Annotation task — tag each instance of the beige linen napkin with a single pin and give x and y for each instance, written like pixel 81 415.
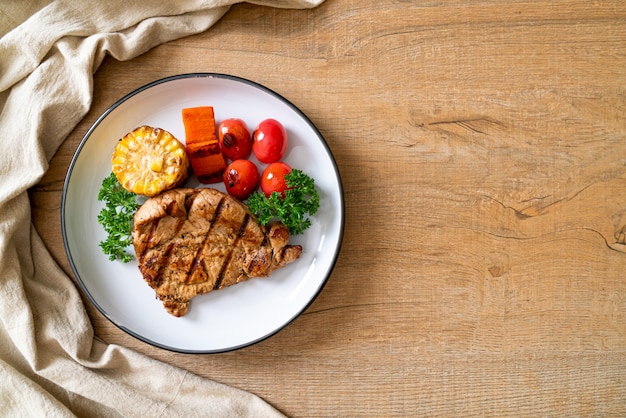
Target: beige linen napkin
pixel 50 363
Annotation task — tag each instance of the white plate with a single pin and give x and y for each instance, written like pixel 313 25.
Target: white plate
pixel 219 321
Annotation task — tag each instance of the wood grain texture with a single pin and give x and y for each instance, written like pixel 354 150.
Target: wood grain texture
pixel 482 148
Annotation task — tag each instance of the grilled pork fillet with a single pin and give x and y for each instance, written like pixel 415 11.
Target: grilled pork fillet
pixel 193 241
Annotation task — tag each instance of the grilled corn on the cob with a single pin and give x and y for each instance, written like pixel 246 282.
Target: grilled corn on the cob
pixel 149 160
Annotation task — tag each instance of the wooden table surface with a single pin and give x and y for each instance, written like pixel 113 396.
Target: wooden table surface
pixel 482 148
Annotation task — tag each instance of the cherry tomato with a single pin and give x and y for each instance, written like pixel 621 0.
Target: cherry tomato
pixel 234 138
pixel 273 178
pixel 269 141
pixel 241 178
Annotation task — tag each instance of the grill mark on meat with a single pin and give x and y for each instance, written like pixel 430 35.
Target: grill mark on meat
pixel 287 253
pixel 179 226
pixel 189 201
pixel 148 239
pixel 169 209
pixel 157 262
pixel 282 252
pixel 218 213
pixel 196 262
pixel 227 260
pixel 197 259
pixel 160 262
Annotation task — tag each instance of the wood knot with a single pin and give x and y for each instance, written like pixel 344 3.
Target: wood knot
pixel 496 271
pixel 498 263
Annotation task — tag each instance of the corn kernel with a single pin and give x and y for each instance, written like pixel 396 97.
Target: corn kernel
pixel 157 164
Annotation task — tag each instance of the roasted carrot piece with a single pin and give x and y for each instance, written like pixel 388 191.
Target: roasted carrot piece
pixel 202 146
pixel 199 124
pixel 207 161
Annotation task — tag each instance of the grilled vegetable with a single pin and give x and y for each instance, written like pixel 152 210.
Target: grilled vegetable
pixel 235 139
pixel 207 161
pixel 199 124
pixel 241 178
pixel 202 146
pixel 148 161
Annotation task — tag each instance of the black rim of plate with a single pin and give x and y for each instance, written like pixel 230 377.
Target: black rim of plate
pixel 166 80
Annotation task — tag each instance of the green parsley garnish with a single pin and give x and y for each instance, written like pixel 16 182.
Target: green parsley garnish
pixel 116 218
pixel 301 201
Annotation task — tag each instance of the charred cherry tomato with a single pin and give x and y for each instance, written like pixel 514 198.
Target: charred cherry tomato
pixel 269 141
pixel 234 138
pixel 241 178
pixel 273 178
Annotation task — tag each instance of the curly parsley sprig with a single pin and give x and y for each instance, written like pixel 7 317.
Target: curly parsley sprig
pixel 300 202
pixel 116 218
